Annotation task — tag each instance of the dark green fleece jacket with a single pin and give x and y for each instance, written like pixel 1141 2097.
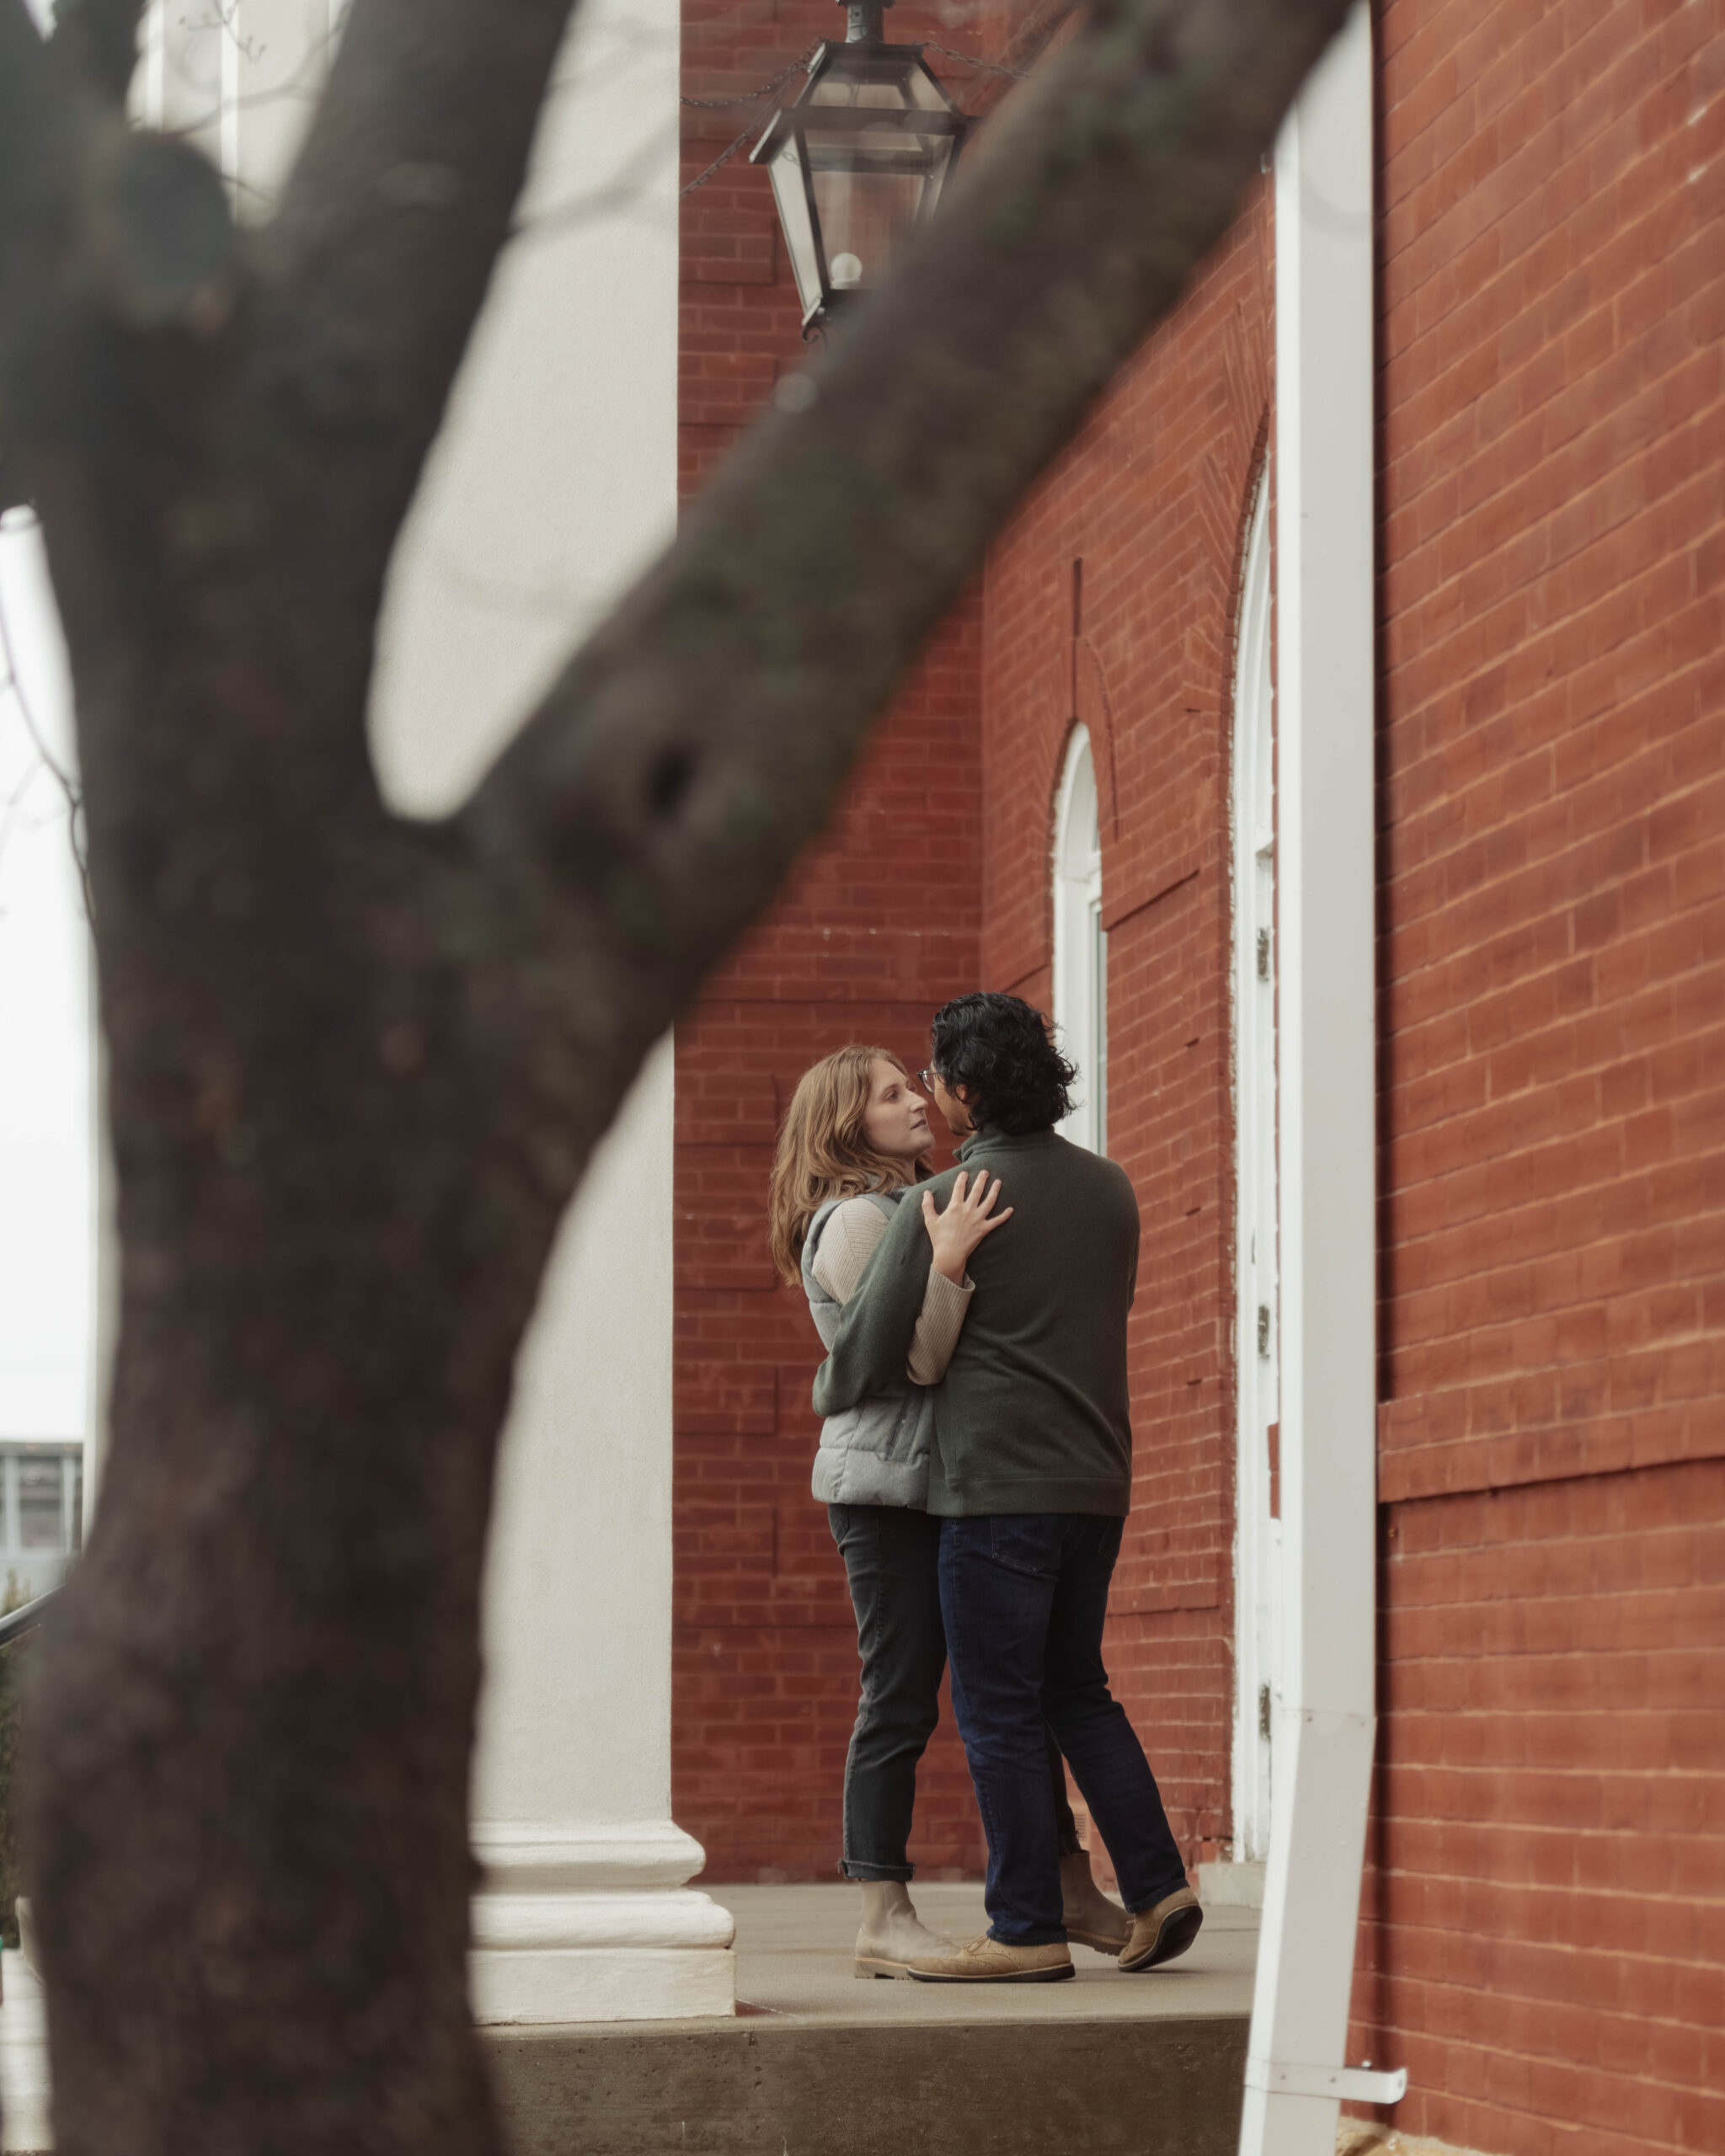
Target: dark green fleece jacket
pixel 1032 1414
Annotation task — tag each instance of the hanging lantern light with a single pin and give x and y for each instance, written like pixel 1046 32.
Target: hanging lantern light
pixel 862 157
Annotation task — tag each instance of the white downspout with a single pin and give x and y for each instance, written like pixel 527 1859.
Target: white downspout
pixel 1324 1722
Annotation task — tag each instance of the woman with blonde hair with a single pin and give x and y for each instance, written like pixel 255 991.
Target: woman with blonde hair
pixel 854 1142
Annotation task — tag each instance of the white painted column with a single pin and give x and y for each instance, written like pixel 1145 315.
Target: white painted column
pixel 586 1915
pixel 1324 1711
pixel 554 483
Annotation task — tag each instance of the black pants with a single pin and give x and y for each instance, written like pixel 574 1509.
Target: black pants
pixel 892 1559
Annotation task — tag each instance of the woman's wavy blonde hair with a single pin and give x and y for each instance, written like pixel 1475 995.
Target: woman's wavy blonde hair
pixel 823 1150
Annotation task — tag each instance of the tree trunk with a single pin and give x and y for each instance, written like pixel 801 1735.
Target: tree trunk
pixel 250 1855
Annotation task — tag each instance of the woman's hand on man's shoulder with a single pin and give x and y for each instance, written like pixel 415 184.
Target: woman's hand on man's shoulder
pixel 966 1219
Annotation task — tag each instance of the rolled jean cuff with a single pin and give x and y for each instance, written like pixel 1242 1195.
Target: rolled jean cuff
pixel 847 1870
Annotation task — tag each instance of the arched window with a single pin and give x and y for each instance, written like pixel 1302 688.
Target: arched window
pixel 1081 944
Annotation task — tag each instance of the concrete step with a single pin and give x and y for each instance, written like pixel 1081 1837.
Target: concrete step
pixel 818 2064
pixel 764 2086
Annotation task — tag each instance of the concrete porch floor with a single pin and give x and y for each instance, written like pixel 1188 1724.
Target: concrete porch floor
pixel 819 2063
pixel 793 1961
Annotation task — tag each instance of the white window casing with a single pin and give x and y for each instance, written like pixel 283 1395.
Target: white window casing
pixel 1081 966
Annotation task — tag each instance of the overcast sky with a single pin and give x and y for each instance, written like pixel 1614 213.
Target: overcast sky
pixel 47 1242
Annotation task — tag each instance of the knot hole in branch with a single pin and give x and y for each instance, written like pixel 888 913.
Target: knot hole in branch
pixel 667 778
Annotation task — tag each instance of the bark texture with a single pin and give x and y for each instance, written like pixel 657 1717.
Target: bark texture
pixel 357 1064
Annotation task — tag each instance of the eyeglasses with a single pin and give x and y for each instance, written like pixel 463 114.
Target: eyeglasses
pixel 925 1079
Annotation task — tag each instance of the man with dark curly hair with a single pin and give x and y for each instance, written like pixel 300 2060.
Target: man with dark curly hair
pixel 1032 1478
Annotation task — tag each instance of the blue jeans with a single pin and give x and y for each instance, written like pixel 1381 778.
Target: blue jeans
pixel 1024 1597
pixel 892 1560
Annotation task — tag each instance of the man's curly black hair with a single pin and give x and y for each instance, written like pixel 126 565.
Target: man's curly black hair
pixel 1000 1049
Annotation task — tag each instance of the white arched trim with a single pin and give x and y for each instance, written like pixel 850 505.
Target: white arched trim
pixel 1081 943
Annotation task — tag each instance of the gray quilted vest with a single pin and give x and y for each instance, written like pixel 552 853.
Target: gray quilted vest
pixel 877 1452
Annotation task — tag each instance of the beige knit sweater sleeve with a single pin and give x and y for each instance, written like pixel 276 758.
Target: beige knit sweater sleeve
pixel 848 1241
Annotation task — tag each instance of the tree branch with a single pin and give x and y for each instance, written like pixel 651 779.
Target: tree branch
pixel 33 132
pixel 390 227
pixel 686 753
pixel 100 39
pixel 90 57
pixel 30 108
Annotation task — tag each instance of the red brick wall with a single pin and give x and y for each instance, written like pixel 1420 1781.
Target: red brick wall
pixel 1543 1926
pixel 879 929
pixel 1153 501
pixel 1547 1924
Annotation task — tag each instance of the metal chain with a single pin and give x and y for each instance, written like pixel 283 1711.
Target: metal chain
pixel 723 159
pixel 727 104
pixel 984 66
pixel 749 97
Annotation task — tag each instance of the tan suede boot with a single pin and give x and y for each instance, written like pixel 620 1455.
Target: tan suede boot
pixel 891 1934
pixel 1091 1919
pixel 1161 1934
pixel 994 1961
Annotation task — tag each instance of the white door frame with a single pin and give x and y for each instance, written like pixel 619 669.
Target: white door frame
pixel 1256 1223
pixel 1324 1726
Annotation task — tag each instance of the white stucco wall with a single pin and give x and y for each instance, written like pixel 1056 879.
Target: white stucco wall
pixel 47 1193
pixel 556 478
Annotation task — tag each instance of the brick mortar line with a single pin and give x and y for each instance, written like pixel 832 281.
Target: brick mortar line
pixel 1549 630
pixel 1478 453
pixel 1552 628
pixel 1677 909
pixel 1545 1482
pixel 1619 234
pixel 1507 1657
pixel 1611 475
pixel 1550 1032
pixel 1461 951
pixel 1534 1998
pixel 1629 1178
pixel 1430 765
pixel 1396 1092
pixel 1615 113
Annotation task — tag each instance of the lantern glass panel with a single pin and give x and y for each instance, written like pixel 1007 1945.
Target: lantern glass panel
pixel 870 187
pixel 790 192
